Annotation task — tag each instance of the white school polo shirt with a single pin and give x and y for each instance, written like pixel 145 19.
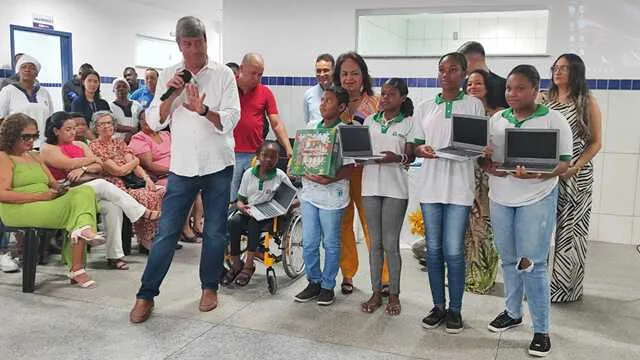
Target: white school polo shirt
pixel 442 180
pixel 389 180
pixel 509 190
pixel 332 196
pixel 254 190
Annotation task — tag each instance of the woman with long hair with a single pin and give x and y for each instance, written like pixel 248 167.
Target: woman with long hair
pixel 570 95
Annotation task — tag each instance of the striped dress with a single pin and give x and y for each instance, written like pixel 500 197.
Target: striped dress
pixel 574 213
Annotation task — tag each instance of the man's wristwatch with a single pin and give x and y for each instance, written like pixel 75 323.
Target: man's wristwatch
pixel 205 112
pixel 84 169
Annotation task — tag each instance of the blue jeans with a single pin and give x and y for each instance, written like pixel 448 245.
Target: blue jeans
pixel 320 224
pixel 525 232
pixel 445 225
pixel 4 242
pixel 243 162
pixel 181 192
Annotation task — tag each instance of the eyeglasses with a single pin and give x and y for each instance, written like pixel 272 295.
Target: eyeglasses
pixel 30 137
pixel 560 68
pixel 104 124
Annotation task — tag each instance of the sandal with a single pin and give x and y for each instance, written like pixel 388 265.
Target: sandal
pixel 231 275
pixel 118 264
pixel 371 305
pixel 245 275
pixel 87 284
pixel 346 288
pixel 190 239
pixel 151 215
pixel 392 309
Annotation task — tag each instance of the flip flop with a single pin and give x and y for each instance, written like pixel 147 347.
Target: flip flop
pixel 346 288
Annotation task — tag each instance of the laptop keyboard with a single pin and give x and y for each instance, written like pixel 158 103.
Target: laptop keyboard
pixel 460 152
pixel 530 167
pixel 268 209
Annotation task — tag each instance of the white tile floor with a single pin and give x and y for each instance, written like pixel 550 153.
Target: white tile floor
pixel 63 322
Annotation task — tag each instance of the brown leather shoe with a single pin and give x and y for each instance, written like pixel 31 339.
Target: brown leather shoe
pixel 208 300
pixel 141 311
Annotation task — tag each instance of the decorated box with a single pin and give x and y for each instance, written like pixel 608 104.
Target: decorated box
pixel 316 151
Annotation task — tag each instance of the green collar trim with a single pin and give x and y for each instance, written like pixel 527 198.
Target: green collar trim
pixel 541 110
pixel 270 175
pixel 440 99
pixel 384 126
pixel 448 108
pixel 321 124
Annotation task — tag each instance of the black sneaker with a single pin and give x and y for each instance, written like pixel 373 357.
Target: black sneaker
pixel 540 345
pixel 326 297
pixel 434 318
pixel 309 293
pixel 504 322
pixel 454 322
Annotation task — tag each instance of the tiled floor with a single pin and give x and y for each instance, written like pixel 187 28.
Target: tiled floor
pixel 63 322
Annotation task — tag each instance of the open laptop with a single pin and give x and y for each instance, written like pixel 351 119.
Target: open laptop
pixel 535 149
pixel 279 205
pixel 468 138
pixel 355 143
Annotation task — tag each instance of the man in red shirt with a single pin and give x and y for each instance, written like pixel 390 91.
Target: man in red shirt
pixel 256 101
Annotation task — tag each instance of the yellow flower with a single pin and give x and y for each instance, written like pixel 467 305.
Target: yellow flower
pixel 417 224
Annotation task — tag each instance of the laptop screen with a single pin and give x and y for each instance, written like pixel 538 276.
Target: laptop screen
pixel 531 144
pixel 469 130
pixel 355 139
pixel 284 195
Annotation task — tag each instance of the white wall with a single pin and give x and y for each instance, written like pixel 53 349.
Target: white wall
pixel 103 32
pixel 290 34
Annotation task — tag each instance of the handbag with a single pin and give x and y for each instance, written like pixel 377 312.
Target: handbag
pixel 131 181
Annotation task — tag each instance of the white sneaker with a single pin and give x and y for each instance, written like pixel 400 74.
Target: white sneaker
pixel 7 264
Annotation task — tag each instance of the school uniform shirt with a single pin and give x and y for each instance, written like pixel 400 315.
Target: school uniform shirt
pixel 442 180
pixel 254 190
pixel 127 116
pixel 332 196
pixel 14 99
pixel 389 180
pixel 509 190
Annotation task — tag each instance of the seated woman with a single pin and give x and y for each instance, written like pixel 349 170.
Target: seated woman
pixel 30 196
pixel 154 151
pixel 258 185
pixel 123 169
pixel 72 160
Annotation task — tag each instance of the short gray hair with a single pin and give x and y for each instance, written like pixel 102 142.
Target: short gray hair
pixel 99 115
pixel 190 26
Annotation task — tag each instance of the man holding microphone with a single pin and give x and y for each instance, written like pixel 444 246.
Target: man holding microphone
pixel 202 110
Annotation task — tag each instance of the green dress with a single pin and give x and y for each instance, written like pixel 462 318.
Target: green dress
pixel 75 209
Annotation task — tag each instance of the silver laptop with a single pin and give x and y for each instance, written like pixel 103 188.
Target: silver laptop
pixel 355 143
pixel 279 205
pixel 468 138
pixel 535 149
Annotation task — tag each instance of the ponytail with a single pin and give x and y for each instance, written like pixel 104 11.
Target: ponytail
pixel 407 107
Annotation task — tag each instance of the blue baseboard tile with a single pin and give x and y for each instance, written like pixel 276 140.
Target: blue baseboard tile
pixel 412 82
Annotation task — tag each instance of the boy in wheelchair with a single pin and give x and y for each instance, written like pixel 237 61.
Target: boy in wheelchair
pixel 258 185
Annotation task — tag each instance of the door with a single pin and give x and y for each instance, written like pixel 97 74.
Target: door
pixel 53 50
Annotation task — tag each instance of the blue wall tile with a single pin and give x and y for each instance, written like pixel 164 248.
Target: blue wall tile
pixel 432 82
pixel 614 84
pixel 545 83
pixel 422 82
pixel 313 82
pixel 625 84
pixel 602 84
pixel 636 85
pixel 592 83
pixel 413 82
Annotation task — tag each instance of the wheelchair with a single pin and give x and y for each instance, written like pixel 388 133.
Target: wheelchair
pixel 286 233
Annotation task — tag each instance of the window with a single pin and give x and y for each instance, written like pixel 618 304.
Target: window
pixel 423 33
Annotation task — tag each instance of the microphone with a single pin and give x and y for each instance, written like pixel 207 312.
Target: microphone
pixel 186 77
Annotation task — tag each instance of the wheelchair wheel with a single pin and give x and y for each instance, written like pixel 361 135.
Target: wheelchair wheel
pixel 272 281
pixel 292 260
